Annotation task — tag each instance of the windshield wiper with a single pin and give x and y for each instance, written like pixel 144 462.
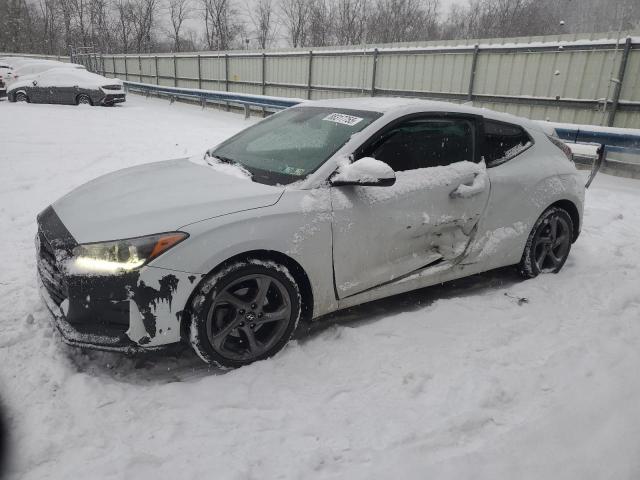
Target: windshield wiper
pixel 229 161
pixel 222 159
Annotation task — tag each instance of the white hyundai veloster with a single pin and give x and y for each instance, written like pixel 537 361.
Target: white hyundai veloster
pixel 322 206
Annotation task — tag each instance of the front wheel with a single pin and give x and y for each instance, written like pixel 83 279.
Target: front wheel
pixel 548 244
pixel 21 97
pixel 244 313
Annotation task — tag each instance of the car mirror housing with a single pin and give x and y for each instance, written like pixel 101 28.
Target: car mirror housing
pixel 366 171
pixel 35 82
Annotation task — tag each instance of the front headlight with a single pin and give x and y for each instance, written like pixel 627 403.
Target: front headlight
pixel 122 255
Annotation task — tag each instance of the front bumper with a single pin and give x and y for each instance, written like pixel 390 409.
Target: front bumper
pixel 72 336
pixel 137 310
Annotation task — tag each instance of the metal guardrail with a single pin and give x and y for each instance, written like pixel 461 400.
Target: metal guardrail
pixel 245 100
pixel 623 146
pixel 614 141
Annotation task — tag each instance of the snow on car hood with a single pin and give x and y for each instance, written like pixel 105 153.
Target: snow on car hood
pixel 157 197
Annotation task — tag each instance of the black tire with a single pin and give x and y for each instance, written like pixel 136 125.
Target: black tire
pixel 245 312
pixel 548 245
pixel 83 99
pixel 21 97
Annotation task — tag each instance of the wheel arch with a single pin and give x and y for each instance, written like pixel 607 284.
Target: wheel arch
pixel 296 270
pixel 573 212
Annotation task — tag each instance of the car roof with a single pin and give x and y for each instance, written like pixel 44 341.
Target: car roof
pixel 403 105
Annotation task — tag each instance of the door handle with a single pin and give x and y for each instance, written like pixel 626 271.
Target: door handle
pixel 477 186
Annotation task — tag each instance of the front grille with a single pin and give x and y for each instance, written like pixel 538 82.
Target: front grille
pixel 50 274
pixel 112 87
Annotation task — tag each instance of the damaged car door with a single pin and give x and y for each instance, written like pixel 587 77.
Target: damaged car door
pixel 427 218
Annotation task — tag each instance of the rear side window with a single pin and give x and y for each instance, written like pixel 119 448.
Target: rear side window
pixel 503 141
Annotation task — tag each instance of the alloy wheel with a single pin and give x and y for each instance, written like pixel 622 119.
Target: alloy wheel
pixel 248 317
pixel 552 244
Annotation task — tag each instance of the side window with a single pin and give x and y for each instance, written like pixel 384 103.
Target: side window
pixel 425 142
pixel 503 141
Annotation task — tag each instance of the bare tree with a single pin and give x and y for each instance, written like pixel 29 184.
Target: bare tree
pixel 179 11
pixel 221 27
pixel 261 15
pixel 295 17
pixel 50 26
pixel 350 21
pixel 48 23
pixel 403 21
pixel 124 21
pixel 143 15
pixel 101 25
pixel 320 31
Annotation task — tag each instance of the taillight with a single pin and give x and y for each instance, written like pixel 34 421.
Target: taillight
pixel 562 146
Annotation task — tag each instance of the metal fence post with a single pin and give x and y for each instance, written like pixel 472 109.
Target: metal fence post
pixel 226 72
pixel 140 68
pixel 156 70
pixel 472 76
pixel 374 68
pixel 126 70
pixel 618 87
pixel 102 64
pixel 175 72
pixel 226 76
pixel 264 73
pixel 199 73
pixel 309 75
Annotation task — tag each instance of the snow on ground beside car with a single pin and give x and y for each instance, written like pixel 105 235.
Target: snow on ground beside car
pixel 489 377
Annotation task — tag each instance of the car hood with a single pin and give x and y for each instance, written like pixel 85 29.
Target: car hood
pixel 158 197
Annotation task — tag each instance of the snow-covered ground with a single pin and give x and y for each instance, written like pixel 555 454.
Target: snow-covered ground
pixel 491 377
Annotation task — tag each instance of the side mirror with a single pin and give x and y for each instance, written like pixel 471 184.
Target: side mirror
pixel 35 82
pixel 364 172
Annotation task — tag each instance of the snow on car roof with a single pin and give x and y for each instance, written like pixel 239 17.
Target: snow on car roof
pixel 75 73
pixel 405 105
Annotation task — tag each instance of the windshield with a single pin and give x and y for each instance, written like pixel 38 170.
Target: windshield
pixel 293 143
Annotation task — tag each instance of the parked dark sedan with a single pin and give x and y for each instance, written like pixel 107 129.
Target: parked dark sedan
pixel 66 86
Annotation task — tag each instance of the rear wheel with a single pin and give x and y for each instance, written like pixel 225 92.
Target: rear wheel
pixel 548 244
pixel 22 97
pixel 244 313
pixel 83 100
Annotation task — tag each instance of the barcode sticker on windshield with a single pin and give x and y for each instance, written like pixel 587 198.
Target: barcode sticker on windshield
pixel 343 119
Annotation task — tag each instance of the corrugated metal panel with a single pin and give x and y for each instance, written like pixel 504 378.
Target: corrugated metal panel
pixel 291 70
pixel 187 68
pixel 148 66
pixel 133 67
pixel 245 69
pixel 631 86
pixel 165 68
pixel 551 77
pixel 212 68
pixel 188 83
pixel 286 92
pixel 352 71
